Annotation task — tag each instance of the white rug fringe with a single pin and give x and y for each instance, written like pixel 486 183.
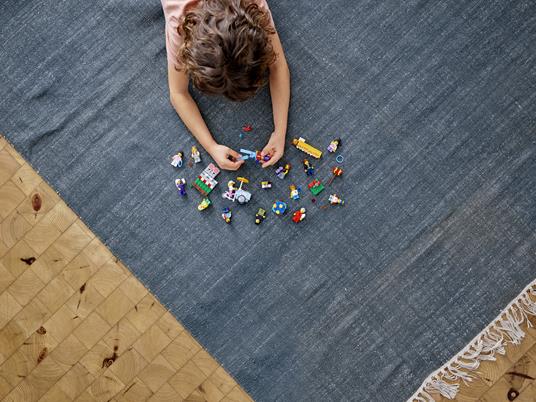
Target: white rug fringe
pixel 505 329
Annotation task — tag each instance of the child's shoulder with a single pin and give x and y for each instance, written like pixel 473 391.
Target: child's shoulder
pixel 175 7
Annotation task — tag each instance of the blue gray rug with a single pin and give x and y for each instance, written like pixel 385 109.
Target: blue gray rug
pixel 436 105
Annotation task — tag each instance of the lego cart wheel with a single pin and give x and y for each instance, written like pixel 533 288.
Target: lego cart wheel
pixel 241 199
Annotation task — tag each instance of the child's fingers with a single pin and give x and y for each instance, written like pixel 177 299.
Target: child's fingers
pixel 267 150
pixel 235 155
pixel 235 160
pixel 275 157
pixel 230 165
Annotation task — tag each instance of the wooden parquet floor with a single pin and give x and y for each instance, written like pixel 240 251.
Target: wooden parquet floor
pixel 76 325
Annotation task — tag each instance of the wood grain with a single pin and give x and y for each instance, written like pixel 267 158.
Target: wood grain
pixel 75 324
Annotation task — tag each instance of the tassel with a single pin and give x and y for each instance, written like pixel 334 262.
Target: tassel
pixel 447 390
pixel 505 329
pixel 424 397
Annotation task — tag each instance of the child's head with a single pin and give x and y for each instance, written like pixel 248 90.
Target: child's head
pixel 226 49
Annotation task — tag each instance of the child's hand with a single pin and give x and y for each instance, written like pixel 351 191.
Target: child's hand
pixel 225 157
pixel 274 148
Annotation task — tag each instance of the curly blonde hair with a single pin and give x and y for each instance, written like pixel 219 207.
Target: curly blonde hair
pixel 226 48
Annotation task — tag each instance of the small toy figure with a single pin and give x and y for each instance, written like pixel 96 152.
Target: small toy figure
pixel 316 187
pixel 231 190
pixel 294 192
pixel 226 214
pixel 335 200
pixel 279 207
pixel 300 144
pixel 196 156
pixel 205 203
pixel 260 216
pixel 176 160
pixel 308 168
pixel 337 171
pixel 237 194
pixel 333 145
pixel 282 171
pixel 259 158
pixel 255 155
pixel 298 215
pixel 181 186
pixel 266 184
pixel 205 182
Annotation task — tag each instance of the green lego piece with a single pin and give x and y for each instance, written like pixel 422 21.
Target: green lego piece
pixel 317 189
pixel 201 187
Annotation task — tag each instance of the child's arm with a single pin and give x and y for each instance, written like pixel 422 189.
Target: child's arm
pixel 280 92
pixel 188 111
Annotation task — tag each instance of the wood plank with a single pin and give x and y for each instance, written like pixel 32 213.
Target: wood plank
pixel 151 342
pixel 75 381
pixel 26 179
pixel 13 228
pixel 19 258
pixel 146 313
pixel 187 379
pixel 166 393
pixel 8 308
pixel 8 166
pixel 155 374
pixel 128 365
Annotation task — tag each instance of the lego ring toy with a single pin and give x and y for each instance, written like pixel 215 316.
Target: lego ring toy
pixel 339 159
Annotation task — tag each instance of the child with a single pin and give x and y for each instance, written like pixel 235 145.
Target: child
pixel 226 47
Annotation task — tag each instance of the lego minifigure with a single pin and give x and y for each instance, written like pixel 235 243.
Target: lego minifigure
pixel 237 194
pixel 176 160
pixel 205 182
pixel 308 168
pixel 205 203
pixel 333 145
pixel 231 190
pixel 181 186
pixel 316 187
pixel 259 158
pixel 336 171
pixel 255 155
pixel 282 171
pixel 226 214
pixel 279 207
pixel 266 184
pixel 196 156
pixel 298 215
pixel 294 192
pixel 300 144
pixel 335 200
pixel 260 216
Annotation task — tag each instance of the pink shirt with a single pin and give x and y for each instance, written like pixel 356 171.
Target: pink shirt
pixel 173 11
